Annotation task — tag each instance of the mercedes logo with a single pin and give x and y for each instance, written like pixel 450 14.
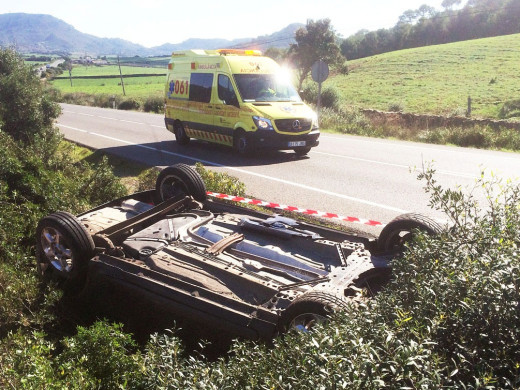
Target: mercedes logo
pixel 296 125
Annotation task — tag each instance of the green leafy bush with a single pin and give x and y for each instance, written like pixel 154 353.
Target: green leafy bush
pixel 25 109
pixel 37 177
pixel 329 95
pixel 154 104
pixel 129 104
pixel 220 182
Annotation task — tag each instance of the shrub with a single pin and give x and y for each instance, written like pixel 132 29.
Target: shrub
pixel 146 179
pixel 220 182
pixel 396 107
pixel 329 95
pixel 25 109
pixel 154 104
pixel 129 104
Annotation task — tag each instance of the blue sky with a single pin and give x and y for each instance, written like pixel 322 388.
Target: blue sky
pixel 154 22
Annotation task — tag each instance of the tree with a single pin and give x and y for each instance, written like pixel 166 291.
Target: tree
pixel 449 4
pixel 25 109
pixel 315 41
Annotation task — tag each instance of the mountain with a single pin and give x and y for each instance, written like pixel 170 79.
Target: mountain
pixel 36 33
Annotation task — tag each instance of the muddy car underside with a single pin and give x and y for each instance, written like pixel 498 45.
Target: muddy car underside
pixel 242 271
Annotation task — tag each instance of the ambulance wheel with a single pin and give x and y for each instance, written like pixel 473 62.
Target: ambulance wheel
pixel 180 134
pixel 241 143
pixel 302 151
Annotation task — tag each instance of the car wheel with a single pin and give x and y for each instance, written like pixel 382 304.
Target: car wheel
pixel 178 181
pixel 400 230
pixel 302 151
pixel 241 143
pixel 180 134
pixel 310 309
pixel 63 249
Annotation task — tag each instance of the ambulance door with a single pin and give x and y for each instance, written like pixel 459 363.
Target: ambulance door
pixel 227 109
pixel 201 109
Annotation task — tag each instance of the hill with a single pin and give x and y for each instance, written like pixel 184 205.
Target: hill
pixel 437 79
pixel 36 33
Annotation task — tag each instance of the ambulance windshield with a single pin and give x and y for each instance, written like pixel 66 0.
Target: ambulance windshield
pixel 265 88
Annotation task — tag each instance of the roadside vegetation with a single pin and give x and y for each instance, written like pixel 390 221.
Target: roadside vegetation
pixel 449 319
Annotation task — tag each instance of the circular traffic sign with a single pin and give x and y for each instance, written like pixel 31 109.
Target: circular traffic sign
pixel 320 71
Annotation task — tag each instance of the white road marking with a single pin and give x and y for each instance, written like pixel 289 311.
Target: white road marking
pixel 207 162
pixel 113 119
pixel 432 148
pixel 449 173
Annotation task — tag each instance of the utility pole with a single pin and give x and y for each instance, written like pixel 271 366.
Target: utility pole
pixel 121 75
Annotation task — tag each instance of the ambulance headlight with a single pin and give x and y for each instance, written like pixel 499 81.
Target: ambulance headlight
pixel 263 123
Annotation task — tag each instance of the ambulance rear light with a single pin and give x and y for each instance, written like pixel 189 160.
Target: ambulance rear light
pixel 225 52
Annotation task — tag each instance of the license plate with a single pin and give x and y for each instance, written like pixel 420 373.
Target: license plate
pixel 293 144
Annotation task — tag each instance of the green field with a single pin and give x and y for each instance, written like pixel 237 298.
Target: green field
pixel 82 70
pixel 138 87
pixel 437 79
pixel 432 79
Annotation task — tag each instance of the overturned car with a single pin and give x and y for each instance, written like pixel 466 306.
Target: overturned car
pixel 239 270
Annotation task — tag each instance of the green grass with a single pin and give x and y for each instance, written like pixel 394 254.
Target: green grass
pixel 139 87
pixel 437 79
pixel 109 70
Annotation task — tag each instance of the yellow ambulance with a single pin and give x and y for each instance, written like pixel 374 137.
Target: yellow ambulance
pixel 236 98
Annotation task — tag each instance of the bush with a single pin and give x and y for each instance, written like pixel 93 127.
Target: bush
pixel 37 177
pixel 396 107
pixel 329 95
pixel 146 179
pixel 129 104
pixel 154 104
pixel 220 182
pixel 25 109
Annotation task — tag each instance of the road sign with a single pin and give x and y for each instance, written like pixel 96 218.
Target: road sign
pixel 320 71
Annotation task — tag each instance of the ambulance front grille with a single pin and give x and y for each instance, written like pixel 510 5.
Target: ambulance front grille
pixel 294 125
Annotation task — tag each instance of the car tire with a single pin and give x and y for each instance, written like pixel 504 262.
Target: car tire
pixel 180 134
pixel 241 143
pixel 302 151
pixel 178 181
pixel 400 230
pixel 310 308
pixel 63 250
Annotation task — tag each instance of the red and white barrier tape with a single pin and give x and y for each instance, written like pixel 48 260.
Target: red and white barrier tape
pixel 316 213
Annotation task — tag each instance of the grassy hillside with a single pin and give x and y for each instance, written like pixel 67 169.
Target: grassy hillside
pixel 437 79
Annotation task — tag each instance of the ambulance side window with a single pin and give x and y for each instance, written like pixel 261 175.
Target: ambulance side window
pixel 200 87
pixel 226 92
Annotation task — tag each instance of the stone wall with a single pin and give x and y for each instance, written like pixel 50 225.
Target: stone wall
pixel 426 121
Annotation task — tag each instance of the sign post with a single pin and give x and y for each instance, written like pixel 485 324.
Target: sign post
pixel 319 73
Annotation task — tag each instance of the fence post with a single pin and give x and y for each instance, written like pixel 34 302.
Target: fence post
pixel 468 112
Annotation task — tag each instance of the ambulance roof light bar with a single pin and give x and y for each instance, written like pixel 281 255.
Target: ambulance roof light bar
pixel 226 52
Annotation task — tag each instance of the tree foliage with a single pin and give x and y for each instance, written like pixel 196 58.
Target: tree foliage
pixel 426 26
pixel 317 40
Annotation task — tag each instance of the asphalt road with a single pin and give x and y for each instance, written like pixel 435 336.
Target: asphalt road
pixel 352 176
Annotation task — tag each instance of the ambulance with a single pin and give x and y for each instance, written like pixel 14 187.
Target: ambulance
pixel 236 98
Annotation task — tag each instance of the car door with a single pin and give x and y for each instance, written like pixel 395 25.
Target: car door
pixel 227 109
pixel 201 109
